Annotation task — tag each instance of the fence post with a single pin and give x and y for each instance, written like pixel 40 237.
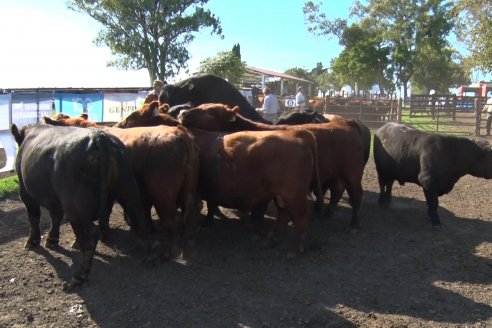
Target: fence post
pixel 478 116
pixel 399 110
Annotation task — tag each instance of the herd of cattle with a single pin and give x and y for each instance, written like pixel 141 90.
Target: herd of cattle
pixel 218 149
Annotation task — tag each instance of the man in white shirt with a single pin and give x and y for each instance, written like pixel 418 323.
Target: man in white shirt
pixel 270 107
pixel 488 109
pixel 300 98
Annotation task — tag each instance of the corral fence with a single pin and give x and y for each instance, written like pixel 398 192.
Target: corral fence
pixel 439 113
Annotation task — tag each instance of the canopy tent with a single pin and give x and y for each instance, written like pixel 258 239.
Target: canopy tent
pixel 257 75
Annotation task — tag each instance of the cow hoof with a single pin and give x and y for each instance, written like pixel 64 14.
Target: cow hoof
pixel 292 255
pixel 51 243
pixel 72 286
pixel 437 227
pixel 75 245
pixel 30 244
pixel 352 230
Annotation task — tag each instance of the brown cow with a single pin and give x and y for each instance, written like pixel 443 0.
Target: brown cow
pixel 246 170
pixel 165 162
pixel 340 149
pixel 149 115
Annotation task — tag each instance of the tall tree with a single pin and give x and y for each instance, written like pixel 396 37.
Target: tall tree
pixel 226 65
pixel 474 30
pixel 150 34
pixel 404 26
pixel 236 49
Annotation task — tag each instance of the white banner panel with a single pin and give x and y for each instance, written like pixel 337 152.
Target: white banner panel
pixel 119 105
pixel 8 143
pixel 5 111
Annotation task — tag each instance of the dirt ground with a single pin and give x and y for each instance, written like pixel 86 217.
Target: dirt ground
pixel 396 272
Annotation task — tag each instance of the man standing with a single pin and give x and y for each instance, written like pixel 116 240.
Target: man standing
pixel 154 94
pixel 270 107
pixel 488 109
pixel 300 98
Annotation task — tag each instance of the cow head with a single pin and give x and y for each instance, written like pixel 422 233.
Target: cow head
pixel 175 95
pixel 211 117
pixel 149 115
pixel 65 120
pixel 482 166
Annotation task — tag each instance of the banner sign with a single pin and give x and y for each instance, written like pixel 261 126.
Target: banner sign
pixel 4 111
pixel 118 105
pixel 7 142
pixel 29 108
pixel 74 104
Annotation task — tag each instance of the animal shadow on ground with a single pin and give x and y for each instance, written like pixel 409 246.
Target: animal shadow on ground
pixel 394 265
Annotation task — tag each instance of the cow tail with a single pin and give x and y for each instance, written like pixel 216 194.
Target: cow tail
pixel 104 147
pixel 316 183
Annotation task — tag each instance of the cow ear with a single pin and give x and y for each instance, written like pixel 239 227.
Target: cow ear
pixel 16 134
pixel 50 121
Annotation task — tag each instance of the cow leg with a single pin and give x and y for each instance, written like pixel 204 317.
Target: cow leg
pixel 33 215
pixel 172 227
pixel 191 214
pixel 257 217
pixel 54 234
pixel 432 201
pixel 87 237
pixel 336 191
pixel 385 188
pixel 354 190
pixel 211 210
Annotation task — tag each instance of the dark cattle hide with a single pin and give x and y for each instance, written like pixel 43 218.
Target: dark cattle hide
pixel 76 172
pixel 301 117
pixel 208 89
pixel 435 162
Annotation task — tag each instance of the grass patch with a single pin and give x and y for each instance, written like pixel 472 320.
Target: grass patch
pixel 423 121
pixel 9 186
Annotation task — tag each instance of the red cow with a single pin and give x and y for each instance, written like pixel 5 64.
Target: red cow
pixel 165 161
pixel 149 115
pixel 340 149
pixel 246 170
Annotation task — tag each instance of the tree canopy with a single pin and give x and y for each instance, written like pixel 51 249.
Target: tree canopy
pixel 474 30
pixel 393 42
pixel 226 64
pixel 149 34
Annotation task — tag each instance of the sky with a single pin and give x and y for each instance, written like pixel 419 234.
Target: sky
pixel 44 44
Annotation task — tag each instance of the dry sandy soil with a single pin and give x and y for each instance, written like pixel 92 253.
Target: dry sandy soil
pixel 396 272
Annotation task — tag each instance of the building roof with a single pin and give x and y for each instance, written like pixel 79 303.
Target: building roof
pixel 253 72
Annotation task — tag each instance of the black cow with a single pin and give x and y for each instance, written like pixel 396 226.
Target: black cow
pixel 435 162
pixel 203 89
pixel 298 116
pixel 76 172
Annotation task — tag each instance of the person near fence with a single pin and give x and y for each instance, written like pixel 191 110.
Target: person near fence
pixel 300 98
pixel 154 94
pixel 488 109
pixel 270 107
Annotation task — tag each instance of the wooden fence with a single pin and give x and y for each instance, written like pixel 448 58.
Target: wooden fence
pixel 440 113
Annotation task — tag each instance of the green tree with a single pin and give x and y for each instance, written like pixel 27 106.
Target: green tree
pixel 150 34
pixel 474 30
pixel 226 65
pixel 236 49
pixel 404 26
